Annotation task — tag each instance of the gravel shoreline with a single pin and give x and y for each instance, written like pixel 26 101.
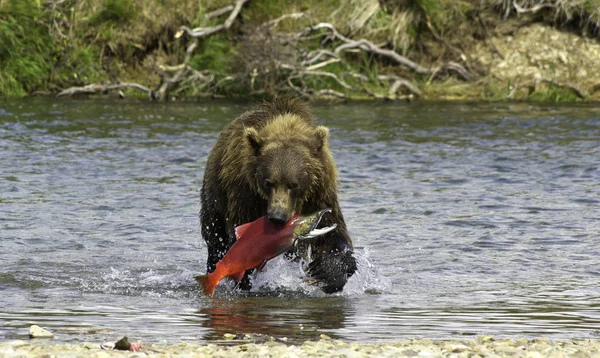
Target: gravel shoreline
pixel 483 346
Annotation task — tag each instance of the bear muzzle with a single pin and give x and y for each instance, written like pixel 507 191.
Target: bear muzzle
pixel 278 217
pixel 281 205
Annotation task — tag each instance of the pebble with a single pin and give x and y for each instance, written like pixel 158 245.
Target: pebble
pixel 479 347
pixel 36 331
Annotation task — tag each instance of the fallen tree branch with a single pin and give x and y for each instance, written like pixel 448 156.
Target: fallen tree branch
pixel 366 45
pixel 357 75
pixel 160 93
pixel 275 22
pixel 532 10
pixel 330 93
pixel 330 75
pixel 330 27
pixel 371 47
pixel 460 69
pixel 400 82
pixel 314 56
pixel 100 88
pixel 323 64
pixel 201 32
pixel 219 12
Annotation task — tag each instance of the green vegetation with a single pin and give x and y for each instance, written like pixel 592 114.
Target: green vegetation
pixel 115 12
pixel 46 46
pixel 26 49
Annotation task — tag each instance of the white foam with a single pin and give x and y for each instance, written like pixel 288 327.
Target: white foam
pixel 281 275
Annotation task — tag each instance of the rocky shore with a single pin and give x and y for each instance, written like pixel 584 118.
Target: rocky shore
pixel 483 346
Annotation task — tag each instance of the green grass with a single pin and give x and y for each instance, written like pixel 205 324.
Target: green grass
pixel 119 12
pixel 552 94
pixel 26 50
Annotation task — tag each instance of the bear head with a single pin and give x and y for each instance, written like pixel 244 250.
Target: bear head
pixel 288 160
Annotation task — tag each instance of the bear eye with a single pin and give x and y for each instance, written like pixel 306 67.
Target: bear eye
pixel 293 186
pixel 268 184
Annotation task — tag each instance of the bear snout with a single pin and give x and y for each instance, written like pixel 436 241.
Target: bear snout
pixel 278 216
pixel 281 205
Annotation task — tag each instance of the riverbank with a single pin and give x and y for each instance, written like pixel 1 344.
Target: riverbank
pixel 483 346
pixel 345 49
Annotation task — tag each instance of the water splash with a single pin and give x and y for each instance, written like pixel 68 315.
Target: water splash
pixel 280 277
pixel 283 276
pixel 143 283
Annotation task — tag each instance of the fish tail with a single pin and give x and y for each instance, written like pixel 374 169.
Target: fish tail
pixel 208 284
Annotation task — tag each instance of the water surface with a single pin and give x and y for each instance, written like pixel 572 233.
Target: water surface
pixel 468 219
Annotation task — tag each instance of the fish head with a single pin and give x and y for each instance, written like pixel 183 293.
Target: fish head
pixel 306 226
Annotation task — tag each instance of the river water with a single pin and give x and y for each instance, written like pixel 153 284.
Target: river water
pixel 468 219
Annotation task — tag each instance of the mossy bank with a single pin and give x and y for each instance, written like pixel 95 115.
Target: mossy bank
pixel 480 347
pixel 468 49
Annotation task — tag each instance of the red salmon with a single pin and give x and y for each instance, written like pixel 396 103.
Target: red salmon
pixel 258 242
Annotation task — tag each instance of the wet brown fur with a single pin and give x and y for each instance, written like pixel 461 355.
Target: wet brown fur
pixel 233 194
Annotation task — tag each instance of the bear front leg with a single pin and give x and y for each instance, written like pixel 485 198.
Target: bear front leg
pixel 333 263
pixel 215 235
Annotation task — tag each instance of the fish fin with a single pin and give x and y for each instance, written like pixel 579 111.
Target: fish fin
pixel 261 266
pixel 237 277
pixel 240 230
pixel 208 286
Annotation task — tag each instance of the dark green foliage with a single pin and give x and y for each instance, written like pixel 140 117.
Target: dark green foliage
pixel 26 49
pixel 214 54
pixel 116 11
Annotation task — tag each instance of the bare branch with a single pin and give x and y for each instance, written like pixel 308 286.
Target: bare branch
pixel 330 27
pixel 330 93
pixel 234 13
pixel 533 10
pixel 323 64
pixel 314 57
pixel 366 45
pixel 460 69
pixel 371 47
pixel 161 92
pixel 357 75
pixel 330 75
pixel 219 12
pixel 100 88
pixel 400 82
pixel 200 32
pixel 275 22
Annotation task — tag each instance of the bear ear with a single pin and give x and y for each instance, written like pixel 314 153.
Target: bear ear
pixel 321 135
pixel 253 138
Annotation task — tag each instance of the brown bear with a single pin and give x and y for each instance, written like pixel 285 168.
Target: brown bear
pixel 274 160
